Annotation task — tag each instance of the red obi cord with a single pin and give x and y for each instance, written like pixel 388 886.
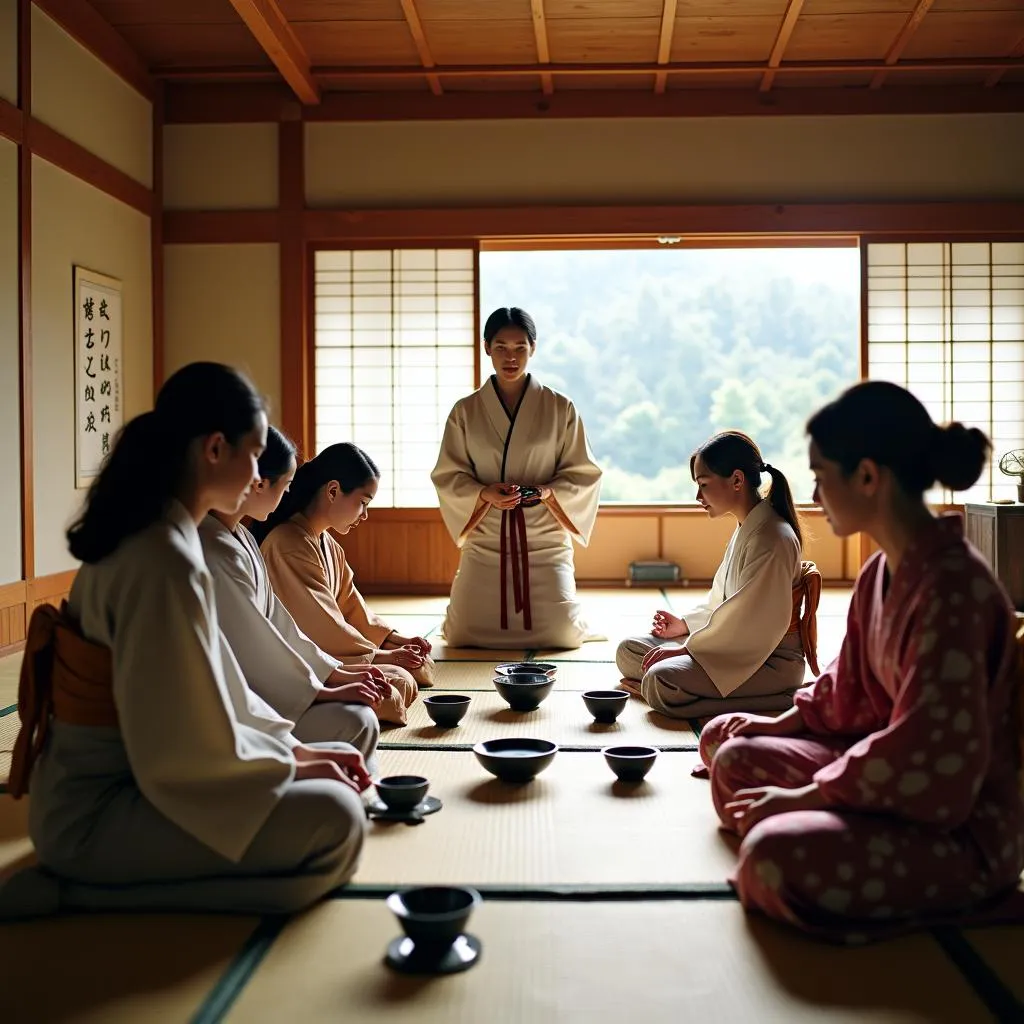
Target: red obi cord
pixel 513 542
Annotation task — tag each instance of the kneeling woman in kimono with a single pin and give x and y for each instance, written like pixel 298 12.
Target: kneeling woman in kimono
pixel 744 647
pixel 517 485
pixel 313 580
pixel 889 796
pixel 300 682
pixel 160 779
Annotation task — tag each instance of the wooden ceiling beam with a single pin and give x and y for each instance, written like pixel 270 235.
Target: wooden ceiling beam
pixel 789 20
pixel 994 76
pixel 419 37
pixel 899 43
pixel 265 21
pixel 668 25
pixel 540 33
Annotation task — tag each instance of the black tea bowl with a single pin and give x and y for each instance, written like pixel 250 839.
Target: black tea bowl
pixel 522 692
pixel 529 668
pixel 402 792
pixel 433 916
pixel 630 764
pixel 446 709
pixel 515 760
pixel 605 705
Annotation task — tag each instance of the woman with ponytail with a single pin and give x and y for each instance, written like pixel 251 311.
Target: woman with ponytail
pixel 744 647
pixel 158 779
pixel 313 580
pixel 889 797
pixel 298 680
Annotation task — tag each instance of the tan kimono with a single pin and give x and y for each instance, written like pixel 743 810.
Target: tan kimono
pixel 313 580
pixel 516 584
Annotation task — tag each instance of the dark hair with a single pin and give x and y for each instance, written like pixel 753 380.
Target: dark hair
pixel 732 450
pixel 277 457
pixel 510 316
pixel 883 422
pixel 148 463
pixel 344 462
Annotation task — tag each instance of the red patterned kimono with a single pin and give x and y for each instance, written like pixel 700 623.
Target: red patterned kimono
pixel 911 736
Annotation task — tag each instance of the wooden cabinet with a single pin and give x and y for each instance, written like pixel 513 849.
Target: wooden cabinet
pixel 997 531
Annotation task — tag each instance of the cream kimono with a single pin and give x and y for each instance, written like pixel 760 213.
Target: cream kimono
pixel 740 640
pixel 279 662
pixel 190 802
pixel 516 585
pixel 313 580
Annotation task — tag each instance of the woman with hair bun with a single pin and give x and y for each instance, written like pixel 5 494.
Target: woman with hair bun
pixel 889 797
pixel 744 647
pixel 517 484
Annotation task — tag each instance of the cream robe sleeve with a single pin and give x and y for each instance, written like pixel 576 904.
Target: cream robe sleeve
pixel 454 479
pixel 697 618
pixel 197 755
pixel 351 602
pixel 576 485
pixel 299 579
pixel 268 664
pixel 748 625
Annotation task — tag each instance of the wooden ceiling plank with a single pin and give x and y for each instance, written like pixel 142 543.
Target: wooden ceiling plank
pixel 1016 53
pixel 789 20
pixel 419 37
pixel 899 43
pixel 668 24
pixel 265 21
pixel 540 33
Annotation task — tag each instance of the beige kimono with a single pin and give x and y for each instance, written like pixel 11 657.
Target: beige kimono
pixel 280 663
pixel 516 585
pixel 191 801
pixel 313 580
pixel 740 652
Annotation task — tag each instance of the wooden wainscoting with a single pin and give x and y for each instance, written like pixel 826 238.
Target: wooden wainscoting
pixel 409 550
pixel 19 599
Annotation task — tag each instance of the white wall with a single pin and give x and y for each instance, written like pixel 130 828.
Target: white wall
pixel 79 96
pixel 222 302
pixel 654 160
pixel 10 415
pixel 220 166
pixel 73 223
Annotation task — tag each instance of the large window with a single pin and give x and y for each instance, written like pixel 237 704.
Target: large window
pixel 395 335
pixel 946 320
pixel 661 348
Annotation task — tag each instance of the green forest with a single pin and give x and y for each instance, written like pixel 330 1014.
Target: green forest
pixel 659 349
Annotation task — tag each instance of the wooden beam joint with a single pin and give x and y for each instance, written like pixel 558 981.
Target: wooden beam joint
pixel 786 29
pixel 266 22
pixel 668 24
pixel 894 52
pixel 419 37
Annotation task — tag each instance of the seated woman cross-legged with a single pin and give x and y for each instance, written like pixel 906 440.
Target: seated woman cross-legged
pixel 889 797
pixel 313 580
pixel 297 679
pixel 744 647
pixel 158 779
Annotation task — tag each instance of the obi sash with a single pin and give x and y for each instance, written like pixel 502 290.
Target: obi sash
pixel 513 546
pixel 63 676
pixel 804 620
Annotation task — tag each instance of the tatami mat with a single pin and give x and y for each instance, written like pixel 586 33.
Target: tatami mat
pixel 386 605
pixel 15 845
pixel 574 824
pixel 550 963
pixel 9 726
pixel 476 675
pixel 128 968
pixel 562 718
pixel 1002 949
pixel 442 652
pixel 10 668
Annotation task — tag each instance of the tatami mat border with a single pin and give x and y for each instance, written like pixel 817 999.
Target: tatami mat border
pixel 8 711
pixel 987 985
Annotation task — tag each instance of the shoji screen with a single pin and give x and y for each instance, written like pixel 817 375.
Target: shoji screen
pixel 946 320
pixel 395 336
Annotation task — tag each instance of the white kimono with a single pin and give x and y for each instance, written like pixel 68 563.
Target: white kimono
pixel 750 605
pixel 278 660
pixel 540 442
